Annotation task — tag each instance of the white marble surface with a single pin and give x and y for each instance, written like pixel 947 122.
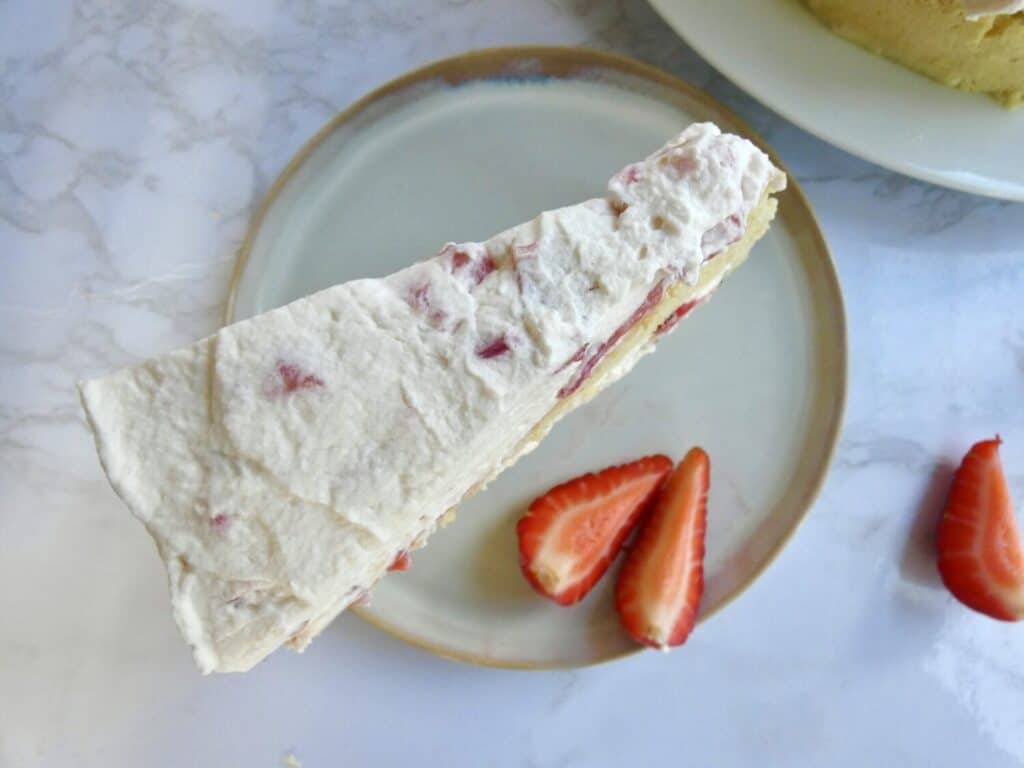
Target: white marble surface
pixel 135 139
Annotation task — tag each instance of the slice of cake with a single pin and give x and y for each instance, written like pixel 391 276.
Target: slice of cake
pixel 282 464
pixel 975 45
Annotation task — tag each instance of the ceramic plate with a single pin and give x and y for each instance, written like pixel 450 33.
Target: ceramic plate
pixel 470 146
pixel 783 56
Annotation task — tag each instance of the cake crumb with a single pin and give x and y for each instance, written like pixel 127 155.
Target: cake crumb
pixel 291 761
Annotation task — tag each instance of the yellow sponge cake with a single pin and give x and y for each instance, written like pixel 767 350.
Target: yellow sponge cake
pixel 975 45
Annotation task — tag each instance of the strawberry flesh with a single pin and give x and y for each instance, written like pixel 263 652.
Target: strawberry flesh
pixel 651 300
pixel 401 562
pixel 659 589
pixel 494 348
pixel 571 534
pixel 981 559
pixel 483 268
pixel 672 320
pixel 294 379
pixel 459 260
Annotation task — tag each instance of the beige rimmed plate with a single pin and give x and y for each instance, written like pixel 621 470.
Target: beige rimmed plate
pixel 471 145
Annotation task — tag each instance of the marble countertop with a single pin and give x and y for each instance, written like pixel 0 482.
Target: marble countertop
pixel 136 139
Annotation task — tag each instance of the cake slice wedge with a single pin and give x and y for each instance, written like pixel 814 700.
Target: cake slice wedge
pixel 282 464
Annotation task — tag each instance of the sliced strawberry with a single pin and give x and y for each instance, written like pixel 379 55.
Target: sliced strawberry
pixel 661 582
pixel 571 534
pixel 981 559
pixel 401 562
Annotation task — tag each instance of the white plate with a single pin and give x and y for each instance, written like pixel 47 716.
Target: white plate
pixel 472 145
pixel 780 54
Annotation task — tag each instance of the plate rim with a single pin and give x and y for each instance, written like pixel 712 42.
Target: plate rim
pixel 793 115
pixel 560 61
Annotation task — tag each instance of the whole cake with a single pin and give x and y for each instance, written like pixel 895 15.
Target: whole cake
pixel 284 463
pixel 975 45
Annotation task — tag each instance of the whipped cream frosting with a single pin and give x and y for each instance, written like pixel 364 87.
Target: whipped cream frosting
pixel 976 9
pixel 281 464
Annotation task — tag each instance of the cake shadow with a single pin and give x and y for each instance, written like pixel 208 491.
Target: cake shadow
pixel 495 575
pixel 918 563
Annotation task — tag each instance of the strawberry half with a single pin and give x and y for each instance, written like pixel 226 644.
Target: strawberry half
pixel 981 559
pixel 571 534
pixel 660 586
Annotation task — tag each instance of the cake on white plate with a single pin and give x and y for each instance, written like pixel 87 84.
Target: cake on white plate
pixel 282 464
pixel 975 45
